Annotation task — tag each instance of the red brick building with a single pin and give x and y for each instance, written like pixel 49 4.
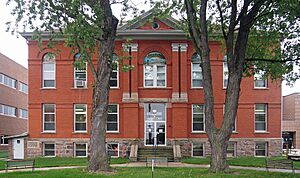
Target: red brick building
pixel 13 99
pixel 159 102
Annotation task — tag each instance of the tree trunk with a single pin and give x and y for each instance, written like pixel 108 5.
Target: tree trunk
pixel 218 162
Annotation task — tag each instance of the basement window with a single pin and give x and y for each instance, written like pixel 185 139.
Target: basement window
pixel 197 149
pixel 113 149
pixel 80 150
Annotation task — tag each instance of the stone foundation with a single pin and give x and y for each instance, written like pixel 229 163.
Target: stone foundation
pixel 65 147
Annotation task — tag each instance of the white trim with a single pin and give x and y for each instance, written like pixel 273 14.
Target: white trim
pixel 266 117
pixel 9 78
pixel 74 115
pixel 266 148
pixel 224 76
pixel 154 73
pixel 43 71
pixel 8 108
pixel 203 146
pixel 192 75
pixel 49 131
pixel 20 115
pixel 117 70
pixel 118 119
pixel 86 149
pixel 20 88
pixel 198 131
pixel 109 143
pixel 257 77
pixel 49 144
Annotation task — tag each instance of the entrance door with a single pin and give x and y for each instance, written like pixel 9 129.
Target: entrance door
pixel 155 124
pixel 18 148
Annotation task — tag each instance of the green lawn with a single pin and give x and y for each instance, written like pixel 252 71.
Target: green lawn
pixel 143 172
pixel 240 161
pixel 60 161
pixel 3 154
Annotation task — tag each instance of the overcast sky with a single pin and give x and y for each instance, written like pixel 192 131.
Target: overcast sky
pixel 16 48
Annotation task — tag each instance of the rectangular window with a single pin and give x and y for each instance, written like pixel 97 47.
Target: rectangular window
pixel 8 110
pixel 48 75
pixel 113 118
pixel 80 116
pixel 8 81
pixel 197 78
pixel 260 117
pixel 23 113
pixel 198 118
pixel 23 87
pixel 197 149
pixel 114 75
pixel 259 81
pixel 3 141
pixel 155 75
pixel 261 149
pixel 49 149
pixel 49 117
pixel 113 149
pixel 80 150
pixel 80 78
pixel 225 74
pixel 231 149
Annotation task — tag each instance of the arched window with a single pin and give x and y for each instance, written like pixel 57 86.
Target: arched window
pixel 114 75
pixel 155 70
pixel 49 70
pixel 197 78
pixel 80 74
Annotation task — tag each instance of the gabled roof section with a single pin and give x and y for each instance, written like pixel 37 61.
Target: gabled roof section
pixel 144 19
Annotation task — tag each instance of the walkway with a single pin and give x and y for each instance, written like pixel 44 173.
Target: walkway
pixel 170 164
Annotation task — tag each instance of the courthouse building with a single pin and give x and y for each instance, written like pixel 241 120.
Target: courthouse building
pixel 160 102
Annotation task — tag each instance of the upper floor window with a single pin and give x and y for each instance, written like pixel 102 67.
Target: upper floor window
pixel 198 124
pixel 80 74
pixel 114 75
pixel 3 140
pixel 113 118
pixel 23 113
pixel 197 78
pixel 259 80
pixel 8 110
pixel 80 116
pixel 260 117
pixel 225 72
pixel 155 70
pixel 49 117
pixel 49 70
pixel 8 81
pixel 23 88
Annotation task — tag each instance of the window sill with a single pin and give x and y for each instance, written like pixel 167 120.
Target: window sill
pixel 235 132
pixel 261 88
pixel 113 132
pixel 114 88
pixel 52 88
pixel 83 88
pixel 198 132
pixel 259 156
pixel 156 88
pixel 196 88
pixel 48 132
pixel 4 144
pixel 80 132
pixel 261 132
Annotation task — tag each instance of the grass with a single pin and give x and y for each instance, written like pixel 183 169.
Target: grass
pixel 239 161
pixel 143 172
pixel 67 161
pixel 3 154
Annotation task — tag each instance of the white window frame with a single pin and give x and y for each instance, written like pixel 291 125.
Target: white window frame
pixel 192 70
pixel 118 149
pixel 23 86
pixel 43 71
pixel 86 150
pixel 154 73
pixel 10 80
pixel 47 143
pixel 118 120
pixel 116 71
pixel 198 131
pixel 266 148
pixel 234 149
pixel 2 140
pixel 49 131
pixel 225 76
pixel 21 115
pixel 9 109
pixel 260 112
pixel 192 153
pixel 74 108
pixel 75 80
pixel 258 77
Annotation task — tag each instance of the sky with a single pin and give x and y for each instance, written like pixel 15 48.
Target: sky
pixel 15 47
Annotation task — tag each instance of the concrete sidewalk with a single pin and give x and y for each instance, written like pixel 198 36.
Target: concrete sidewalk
pixel 170 164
